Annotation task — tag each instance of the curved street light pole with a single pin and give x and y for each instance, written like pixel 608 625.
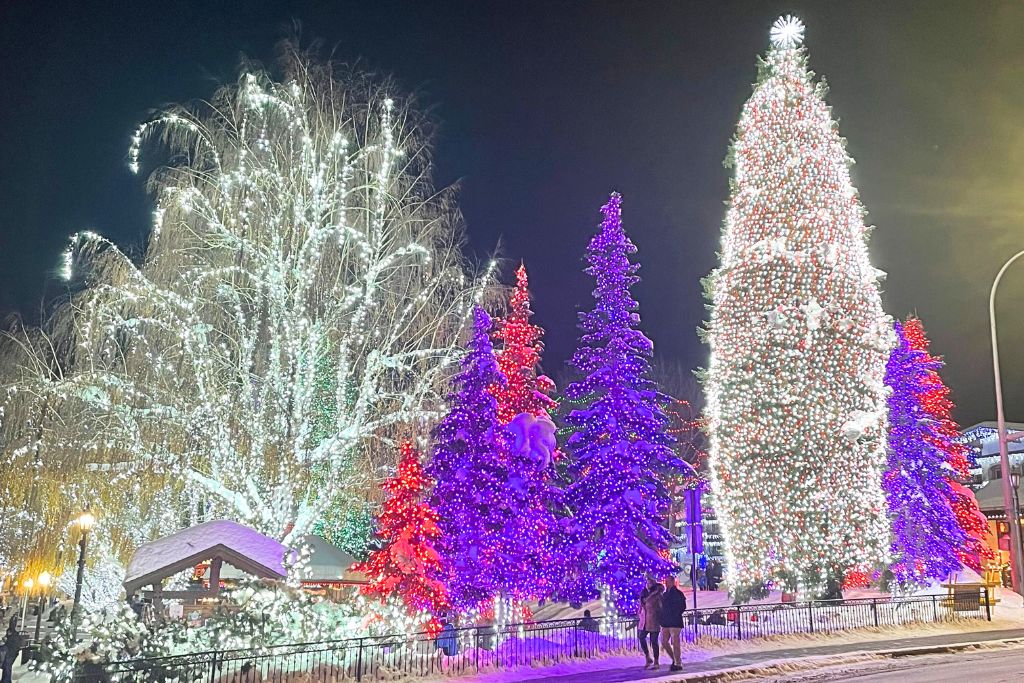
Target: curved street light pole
pixel 1012 514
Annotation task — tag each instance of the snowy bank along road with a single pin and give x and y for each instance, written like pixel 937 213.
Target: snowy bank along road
pixel 989 664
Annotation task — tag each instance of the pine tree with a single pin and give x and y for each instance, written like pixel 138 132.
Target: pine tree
pixel 927 538
pixel 945 435
pixel 519 357
pixel 619 452
pixel 489 494
pixel 795 397
pixel 408 564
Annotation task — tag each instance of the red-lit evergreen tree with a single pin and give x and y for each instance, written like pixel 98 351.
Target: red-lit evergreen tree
pixel 937 403
pixel 518 358
pixel 408 564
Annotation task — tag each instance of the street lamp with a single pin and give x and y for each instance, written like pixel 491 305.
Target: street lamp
pixel 85 522
pixel 1012 513
pixel 27 585
pixel 44 583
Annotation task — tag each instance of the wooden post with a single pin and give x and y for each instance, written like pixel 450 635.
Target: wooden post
pixel 215 565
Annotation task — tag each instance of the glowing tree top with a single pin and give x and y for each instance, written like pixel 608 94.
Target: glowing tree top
pixel 795 397
pixel 619 452
pixel 519 357
pixel 928 541
pixel 488 495
pixel 408 565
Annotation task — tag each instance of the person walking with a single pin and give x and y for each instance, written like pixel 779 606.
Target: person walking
pixel 649 623
pixel 673 605
pixel 714 575
pixel 12 648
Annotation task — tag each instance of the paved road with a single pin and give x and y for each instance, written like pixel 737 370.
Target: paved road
pixel 996 666
pixel 760 656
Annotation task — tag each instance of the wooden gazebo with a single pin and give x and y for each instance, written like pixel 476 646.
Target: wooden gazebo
pixel 216 542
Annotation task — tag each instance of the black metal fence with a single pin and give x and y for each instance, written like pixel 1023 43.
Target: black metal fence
pixel 533 644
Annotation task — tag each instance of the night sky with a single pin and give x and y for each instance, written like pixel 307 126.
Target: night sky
pixel 545 107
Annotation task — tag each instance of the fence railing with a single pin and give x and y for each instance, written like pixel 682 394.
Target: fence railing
pixel 530 644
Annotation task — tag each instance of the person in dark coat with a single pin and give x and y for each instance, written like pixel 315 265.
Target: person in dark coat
pixel 588 623
pixel 447 641
pixel 714 575
pixel 673 605
pixel 12 648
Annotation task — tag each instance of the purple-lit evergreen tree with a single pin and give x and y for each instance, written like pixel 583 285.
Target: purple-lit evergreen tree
pixel 490 495
pixel 620 452
pixel 927 538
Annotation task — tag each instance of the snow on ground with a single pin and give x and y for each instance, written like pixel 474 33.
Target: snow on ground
pixel 1008 614
pixel 708 648
pixel 994 663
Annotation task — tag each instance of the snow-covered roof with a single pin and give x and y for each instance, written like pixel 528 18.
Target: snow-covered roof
pixel 329 563
pixel 238 545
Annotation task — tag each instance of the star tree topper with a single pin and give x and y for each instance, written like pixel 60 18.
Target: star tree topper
pixel 787 32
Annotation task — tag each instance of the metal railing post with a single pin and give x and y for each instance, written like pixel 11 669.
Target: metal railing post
pixel 935 609
pixel 810 615
pixel 213 666
pixel 359 662
pixel 739 622
pixel 874 610
pixel 988 604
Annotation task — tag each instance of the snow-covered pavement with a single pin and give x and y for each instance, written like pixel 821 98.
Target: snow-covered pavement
pixel 766 663
pixel 986 665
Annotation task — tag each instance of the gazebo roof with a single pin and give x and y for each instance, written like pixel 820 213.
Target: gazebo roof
pixel 238 545
pixel 330 564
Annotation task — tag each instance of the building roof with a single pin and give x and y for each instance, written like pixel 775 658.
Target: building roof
pixel 238 545
pixel 983 438
pixel 990 496
pixel 329 563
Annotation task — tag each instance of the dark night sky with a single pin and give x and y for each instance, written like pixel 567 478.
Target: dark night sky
pixel 545 108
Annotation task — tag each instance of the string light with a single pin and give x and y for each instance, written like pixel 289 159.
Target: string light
pixel 795 397
pixel 296 246
pixel 939 433
pixel 408 565
pixel 519 357
pixel 620 453
pixel 927 539
pixel 490 496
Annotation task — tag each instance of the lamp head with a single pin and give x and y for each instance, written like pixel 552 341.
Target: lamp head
pixel 86 520
pixel 44 579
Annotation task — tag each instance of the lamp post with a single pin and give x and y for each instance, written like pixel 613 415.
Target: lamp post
pixel 27 585
pixel 1015 480
pixel 1012 513
pixel 44 583
pixel 85 522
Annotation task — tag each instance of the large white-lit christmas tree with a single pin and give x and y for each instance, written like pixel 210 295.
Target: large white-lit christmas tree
pixel 799 341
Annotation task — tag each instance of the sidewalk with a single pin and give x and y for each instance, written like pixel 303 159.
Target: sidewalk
pixel 713 665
